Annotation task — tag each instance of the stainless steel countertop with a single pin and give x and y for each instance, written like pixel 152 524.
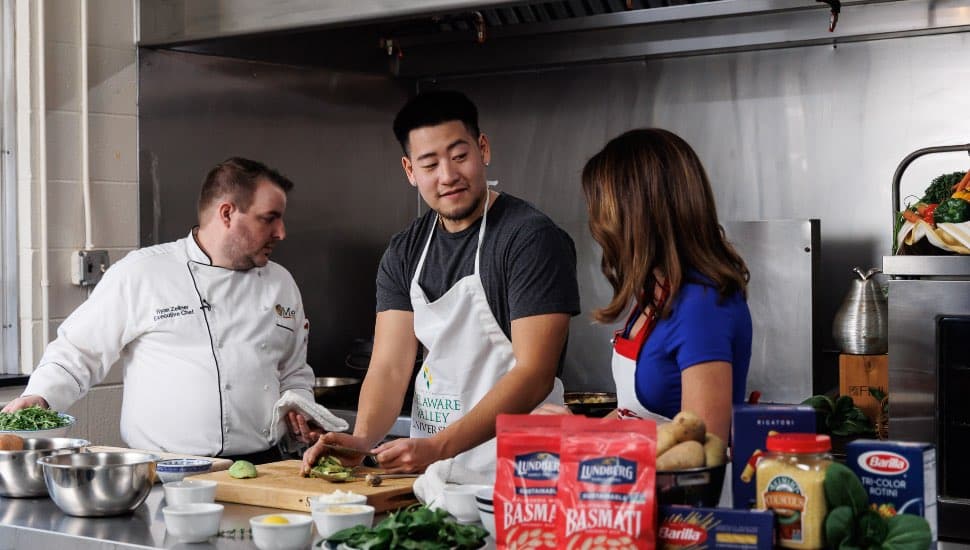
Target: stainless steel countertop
pixel 31 522
pixel 39 523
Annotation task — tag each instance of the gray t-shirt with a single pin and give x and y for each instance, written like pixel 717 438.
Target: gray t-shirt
pixel 528 264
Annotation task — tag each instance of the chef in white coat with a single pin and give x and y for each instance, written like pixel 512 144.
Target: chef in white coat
pixel 484 282
pixel 209 332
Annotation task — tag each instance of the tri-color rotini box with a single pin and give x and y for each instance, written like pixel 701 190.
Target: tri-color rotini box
pixel 683 527
pixel 899 476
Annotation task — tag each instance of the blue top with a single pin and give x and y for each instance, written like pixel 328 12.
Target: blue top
pixel 701 328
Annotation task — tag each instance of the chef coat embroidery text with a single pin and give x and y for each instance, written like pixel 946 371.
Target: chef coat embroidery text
pixel 172 311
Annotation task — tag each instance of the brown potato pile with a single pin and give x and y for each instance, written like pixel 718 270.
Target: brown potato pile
pixel 684 443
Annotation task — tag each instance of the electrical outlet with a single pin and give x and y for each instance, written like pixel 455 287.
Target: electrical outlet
pixel 88 266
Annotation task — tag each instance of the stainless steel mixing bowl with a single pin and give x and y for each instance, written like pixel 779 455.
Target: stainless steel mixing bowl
pixel 99 484
pixel 21 475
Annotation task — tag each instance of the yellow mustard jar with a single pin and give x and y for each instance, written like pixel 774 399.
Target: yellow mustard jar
pixel 789 481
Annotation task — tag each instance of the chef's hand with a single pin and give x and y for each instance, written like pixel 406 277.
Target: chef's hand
pixel 318 451
pixel 24 402
pixel 549 408
pixel 301 428
pixel 411 455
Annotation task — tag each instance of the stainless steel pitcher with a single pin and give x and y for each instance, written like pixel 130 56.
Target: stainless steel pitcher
pixel 861 325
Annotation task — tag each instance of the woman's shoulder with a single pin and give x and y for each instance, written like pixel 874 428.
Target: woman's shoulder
pixel 699 295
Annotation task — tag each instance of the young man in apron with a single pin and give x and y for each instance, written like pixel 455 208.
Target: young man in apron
pixel 483 281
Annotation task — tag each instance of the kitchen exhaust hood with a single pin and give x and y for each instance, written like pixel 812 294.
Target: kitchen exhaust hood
pixel 434 38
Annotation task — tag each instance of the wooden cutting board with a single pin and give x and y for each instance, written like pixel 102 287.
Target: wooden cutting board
pixel 218 464
pixel 280 485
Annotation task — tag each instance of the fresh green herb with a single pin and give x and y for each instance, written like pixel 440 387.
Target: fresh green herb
pixel 851 524
pixel 239 532
pixel 941 187
pixel 415 527
pixel 952 211
pixel 331 469
pixel 840 416
pixel 32 418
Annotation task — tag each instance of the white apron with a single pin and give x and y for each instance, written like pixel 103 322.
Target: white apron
pixel 467 354
pixel 626 350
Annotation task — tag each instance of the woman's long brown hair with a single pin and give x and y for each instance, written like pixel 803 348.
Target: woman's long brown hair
pixel 651 209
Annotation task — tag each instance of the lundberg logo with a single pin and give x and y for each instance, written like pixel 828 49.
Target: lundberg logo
pixel 541 466
pixel 682 534
pixel 611 470
pixel 883 462
pixel 285 312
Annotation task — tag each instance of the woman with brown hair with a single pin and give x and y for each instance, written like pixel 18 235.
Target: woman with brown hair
pixel 687 341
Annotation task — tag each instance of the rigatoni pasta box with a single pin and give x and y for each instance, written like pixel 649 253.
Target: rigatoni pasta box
pixel 900 477
pixel 750 427
pixel 607 478
pixel 527 471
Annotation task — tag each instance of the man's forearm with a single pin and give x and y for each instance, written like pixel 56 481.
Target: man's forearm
pixel 518 392
pixel 379 405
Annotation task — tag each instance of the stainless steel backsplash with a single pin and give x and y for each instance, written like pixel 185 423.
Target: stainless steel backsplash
pixel 793 134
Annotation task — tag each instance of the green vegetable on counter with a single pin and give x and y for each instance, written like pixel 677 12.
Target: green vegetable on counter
pixel 331 469
pixel 852 524
pixel 242 469
pixel 952 211
pixel 32 418
pixel 411 528
pixel 840 416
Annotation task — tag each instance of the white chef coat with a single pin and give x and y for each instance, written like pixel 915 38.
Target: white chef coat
pixel 206 351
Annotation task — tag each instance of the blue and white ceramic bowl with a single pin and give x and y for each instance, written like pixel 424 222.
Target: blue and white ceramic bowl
pixel 177 468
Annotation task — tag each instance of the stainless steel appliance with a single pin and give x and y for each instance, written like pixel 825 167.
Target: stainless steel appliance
pixel 929 364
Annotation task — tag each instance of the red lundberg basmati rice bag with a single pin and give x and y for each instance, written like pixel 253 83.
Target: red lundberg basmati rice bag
pixel 527 468
pixel 606 486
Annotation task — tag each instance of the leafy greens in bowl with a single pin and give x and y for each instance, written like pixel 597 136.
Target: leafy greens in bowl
pixel 35 422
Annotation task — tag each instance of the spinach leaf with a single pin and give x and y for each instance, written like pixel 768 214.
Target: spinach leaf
pixel 415 527
pixel 843 488
pixel 907 532
pixel 872 529
pixel 839 526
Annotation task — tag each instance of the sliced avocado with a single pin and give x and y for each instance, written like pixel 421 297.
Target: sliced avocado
pixel 241 469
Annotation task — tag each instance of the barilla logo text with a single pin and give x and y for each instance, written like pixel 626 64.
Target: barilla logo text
pixel 541 466
pixel 609 470
pixel 883 462
pixel 682 534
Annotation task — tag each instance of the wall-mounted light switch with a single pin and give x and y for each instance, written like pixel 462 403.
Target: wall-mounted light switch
pixel 88 266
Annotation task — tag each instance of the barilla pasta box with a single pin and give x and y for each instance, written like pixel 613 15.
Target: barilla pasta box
pixel 683 527
pixel 899 476
pixel 749 429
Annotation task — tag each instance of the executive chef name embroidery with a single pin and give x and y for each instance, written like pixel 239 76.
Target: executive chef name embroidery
pixel 172 311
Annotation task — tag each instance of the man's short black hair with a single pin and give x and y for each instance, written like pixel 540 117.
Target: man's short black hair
pixel 432 108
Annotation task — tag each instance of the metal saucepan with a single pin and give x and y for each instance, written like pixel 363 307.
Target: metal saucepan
pixel 324 385
pixel 597 404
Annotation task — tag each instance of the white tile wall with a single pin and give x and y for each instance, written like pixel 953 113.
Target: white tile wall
pixel 112 90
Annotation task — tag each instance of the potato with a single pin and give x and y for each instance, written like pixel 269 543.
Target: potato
pixel 688 454
pixel 715 451
pixel 665 438
pixel 688 426
pixel 9 442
